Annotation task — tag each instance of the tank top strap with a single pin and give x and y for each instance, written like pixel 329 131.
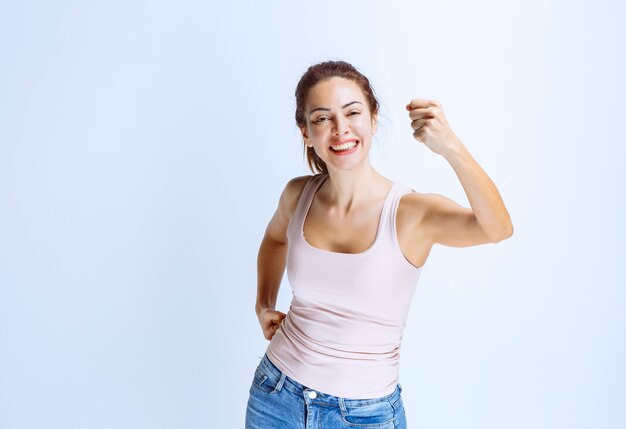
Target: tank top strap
pixel 389 235
pixel 304 202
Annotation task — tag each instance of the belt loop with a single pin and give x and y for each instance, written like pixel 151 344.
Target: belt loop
pixel 397 401
pixel 279 386
pixel 342 406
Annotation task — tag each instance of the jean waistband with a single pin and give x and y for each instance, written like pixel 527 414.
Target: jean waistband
pixel 298 388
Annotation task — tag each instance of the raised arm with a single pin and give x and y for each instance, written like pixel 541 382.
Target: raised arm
pixel 451 224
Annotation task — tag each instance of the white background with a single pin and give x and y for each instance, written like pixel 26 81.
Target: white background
pixel 143 148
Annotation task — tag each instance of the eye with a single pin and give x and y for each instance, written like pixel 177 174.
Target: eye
pixel 320 120
pixel 354 112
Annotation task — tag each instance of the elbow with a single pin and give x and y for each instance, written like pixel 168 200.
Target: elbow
pixel 504 234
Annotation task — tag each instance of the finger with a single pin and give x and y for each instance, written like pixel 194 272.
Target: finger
pixel 419 123
pixel 418 103
pixel 421 113
pixel 419 135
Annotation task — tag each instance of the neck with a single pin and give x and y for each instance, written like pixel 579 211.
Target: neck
pixel 348 191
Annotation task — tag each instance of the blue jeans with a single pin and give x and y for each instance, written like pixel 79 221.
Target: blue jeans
pixel 277 401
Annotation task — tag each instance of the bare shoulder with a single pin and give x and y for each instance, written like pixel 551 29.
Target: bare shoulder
pixel 277 227
pixel 291 193
pixel 414 205
pixel 412 209
pixel 415 241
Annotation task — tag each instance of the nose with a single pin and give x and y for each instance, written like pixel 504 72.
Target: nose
pixel 341 125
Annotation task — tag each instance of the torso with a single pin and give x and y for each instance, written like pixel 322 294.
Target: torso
pixel 355 233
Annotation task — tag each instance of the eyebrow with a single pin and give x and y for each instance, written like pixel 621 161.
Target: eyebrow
pixel 328 110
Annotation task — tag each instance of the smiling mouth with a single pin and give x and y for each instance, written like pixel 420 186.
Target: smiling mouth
pixel 345 147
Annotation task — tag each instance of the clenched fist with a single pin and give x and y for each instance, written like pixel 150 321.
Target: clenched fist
pixel 270 320
pixel 431 126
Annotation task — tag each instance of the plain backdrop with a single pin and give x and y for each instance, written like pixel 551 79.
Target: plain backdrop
pixel 143 148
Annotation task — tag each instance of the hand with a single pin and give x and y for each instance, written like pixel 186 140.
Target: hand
pixel 270 320
pixel 431 126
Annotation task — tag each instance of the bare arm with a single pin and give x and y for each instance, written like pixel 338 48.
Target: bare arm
pixel 489 211
pixel 271 264
pixel 449 223
pixel 272 258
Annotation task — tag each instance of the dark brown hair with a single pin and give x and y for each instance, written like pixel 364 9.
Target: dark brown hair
pixel 316 74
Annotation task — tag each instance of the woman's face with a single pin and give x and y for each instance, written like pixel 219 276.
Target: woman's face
pixel 337 112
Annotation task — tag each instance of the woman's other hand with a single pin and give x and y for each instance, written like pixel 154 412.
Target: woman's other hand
pixel 270 320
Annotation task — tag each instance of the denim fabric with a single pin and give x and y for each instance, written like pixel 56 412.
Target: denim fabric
pixel 277 401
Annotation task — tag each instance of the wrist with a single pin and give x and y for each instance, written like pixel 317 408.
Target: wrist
pixel 457 150
pixel 261 307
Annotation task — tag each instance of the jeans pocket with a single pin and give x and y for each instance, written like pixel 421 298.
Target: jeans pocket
pixel 377 414
pixel 264 380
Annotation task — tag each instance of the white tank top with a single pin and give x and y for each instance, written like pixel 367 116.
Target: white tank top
pixel 343 331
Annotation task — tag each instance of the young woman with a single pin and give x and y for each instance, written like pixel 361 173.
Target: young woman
pixel 354 244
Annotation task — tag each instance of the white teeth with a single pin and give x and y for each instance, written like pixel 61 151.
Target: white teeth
pixel 344 146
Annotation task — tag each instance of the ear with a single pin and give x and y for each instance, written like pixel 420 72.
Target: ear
pixel 374 123
pixel 305 137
